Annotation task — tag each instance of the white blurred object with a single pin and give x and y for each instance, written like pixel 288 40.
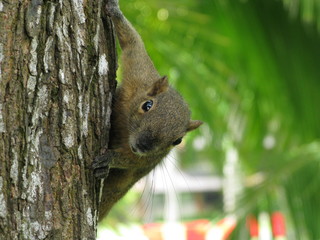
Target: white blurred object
pixel 265 230
pixel 124 232
pixel 269 142
pixel 232 184
pixel 174 231
pixel 222 229
pixel 171 213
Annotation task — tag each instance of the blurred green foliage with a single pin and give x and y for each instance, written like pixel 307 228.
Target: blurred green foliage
pixel 251 71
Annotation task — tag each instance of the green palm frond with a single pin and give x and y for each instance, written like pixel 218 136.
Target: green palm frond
pixel 307 10
pixel 252 58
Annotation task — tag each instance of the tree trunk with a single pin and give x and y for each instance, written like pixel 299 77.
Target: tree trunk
pixel 57 71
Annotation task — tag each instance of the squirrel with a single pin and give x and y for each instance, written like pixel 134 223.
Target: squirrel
pixel 148 117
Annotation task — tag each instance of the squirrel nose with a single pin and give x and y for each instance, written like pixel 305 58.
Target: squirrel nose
pixel 145 143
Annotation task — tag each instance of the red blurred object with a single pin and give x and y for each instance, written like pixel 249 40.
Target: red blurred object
pixel 278 224
pixel 253 226
pixel 197 230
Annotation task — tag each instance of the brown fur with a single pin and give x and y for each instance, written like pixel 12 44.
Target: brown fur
pixel 138 139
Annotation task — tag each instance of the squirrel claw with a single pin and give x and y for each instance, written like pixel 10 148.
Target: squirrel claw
pixel 101 172
pixel 100 166
pixel 101 161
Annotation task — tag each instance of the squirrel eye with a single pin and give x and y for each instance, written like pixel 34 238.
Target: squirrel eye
pixel 177 142
pixel 147 105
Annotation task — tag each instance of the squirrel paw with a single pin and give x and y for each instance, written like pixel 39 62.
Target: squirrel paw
pixel 100 166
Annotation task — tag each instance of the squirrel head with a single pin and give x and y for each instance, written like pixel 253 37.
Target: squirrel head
pixel 159 120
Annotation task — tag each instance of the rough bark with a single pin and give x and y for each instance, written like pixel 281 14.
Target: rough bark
pixel 57 70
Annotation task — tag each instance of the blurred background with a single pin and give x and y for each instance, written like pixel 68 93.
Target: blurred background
pixel 250 69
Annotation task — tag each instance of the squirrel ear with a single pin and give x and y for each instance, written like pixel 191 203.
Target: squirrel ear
pixel 159 86
pixel 194 124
